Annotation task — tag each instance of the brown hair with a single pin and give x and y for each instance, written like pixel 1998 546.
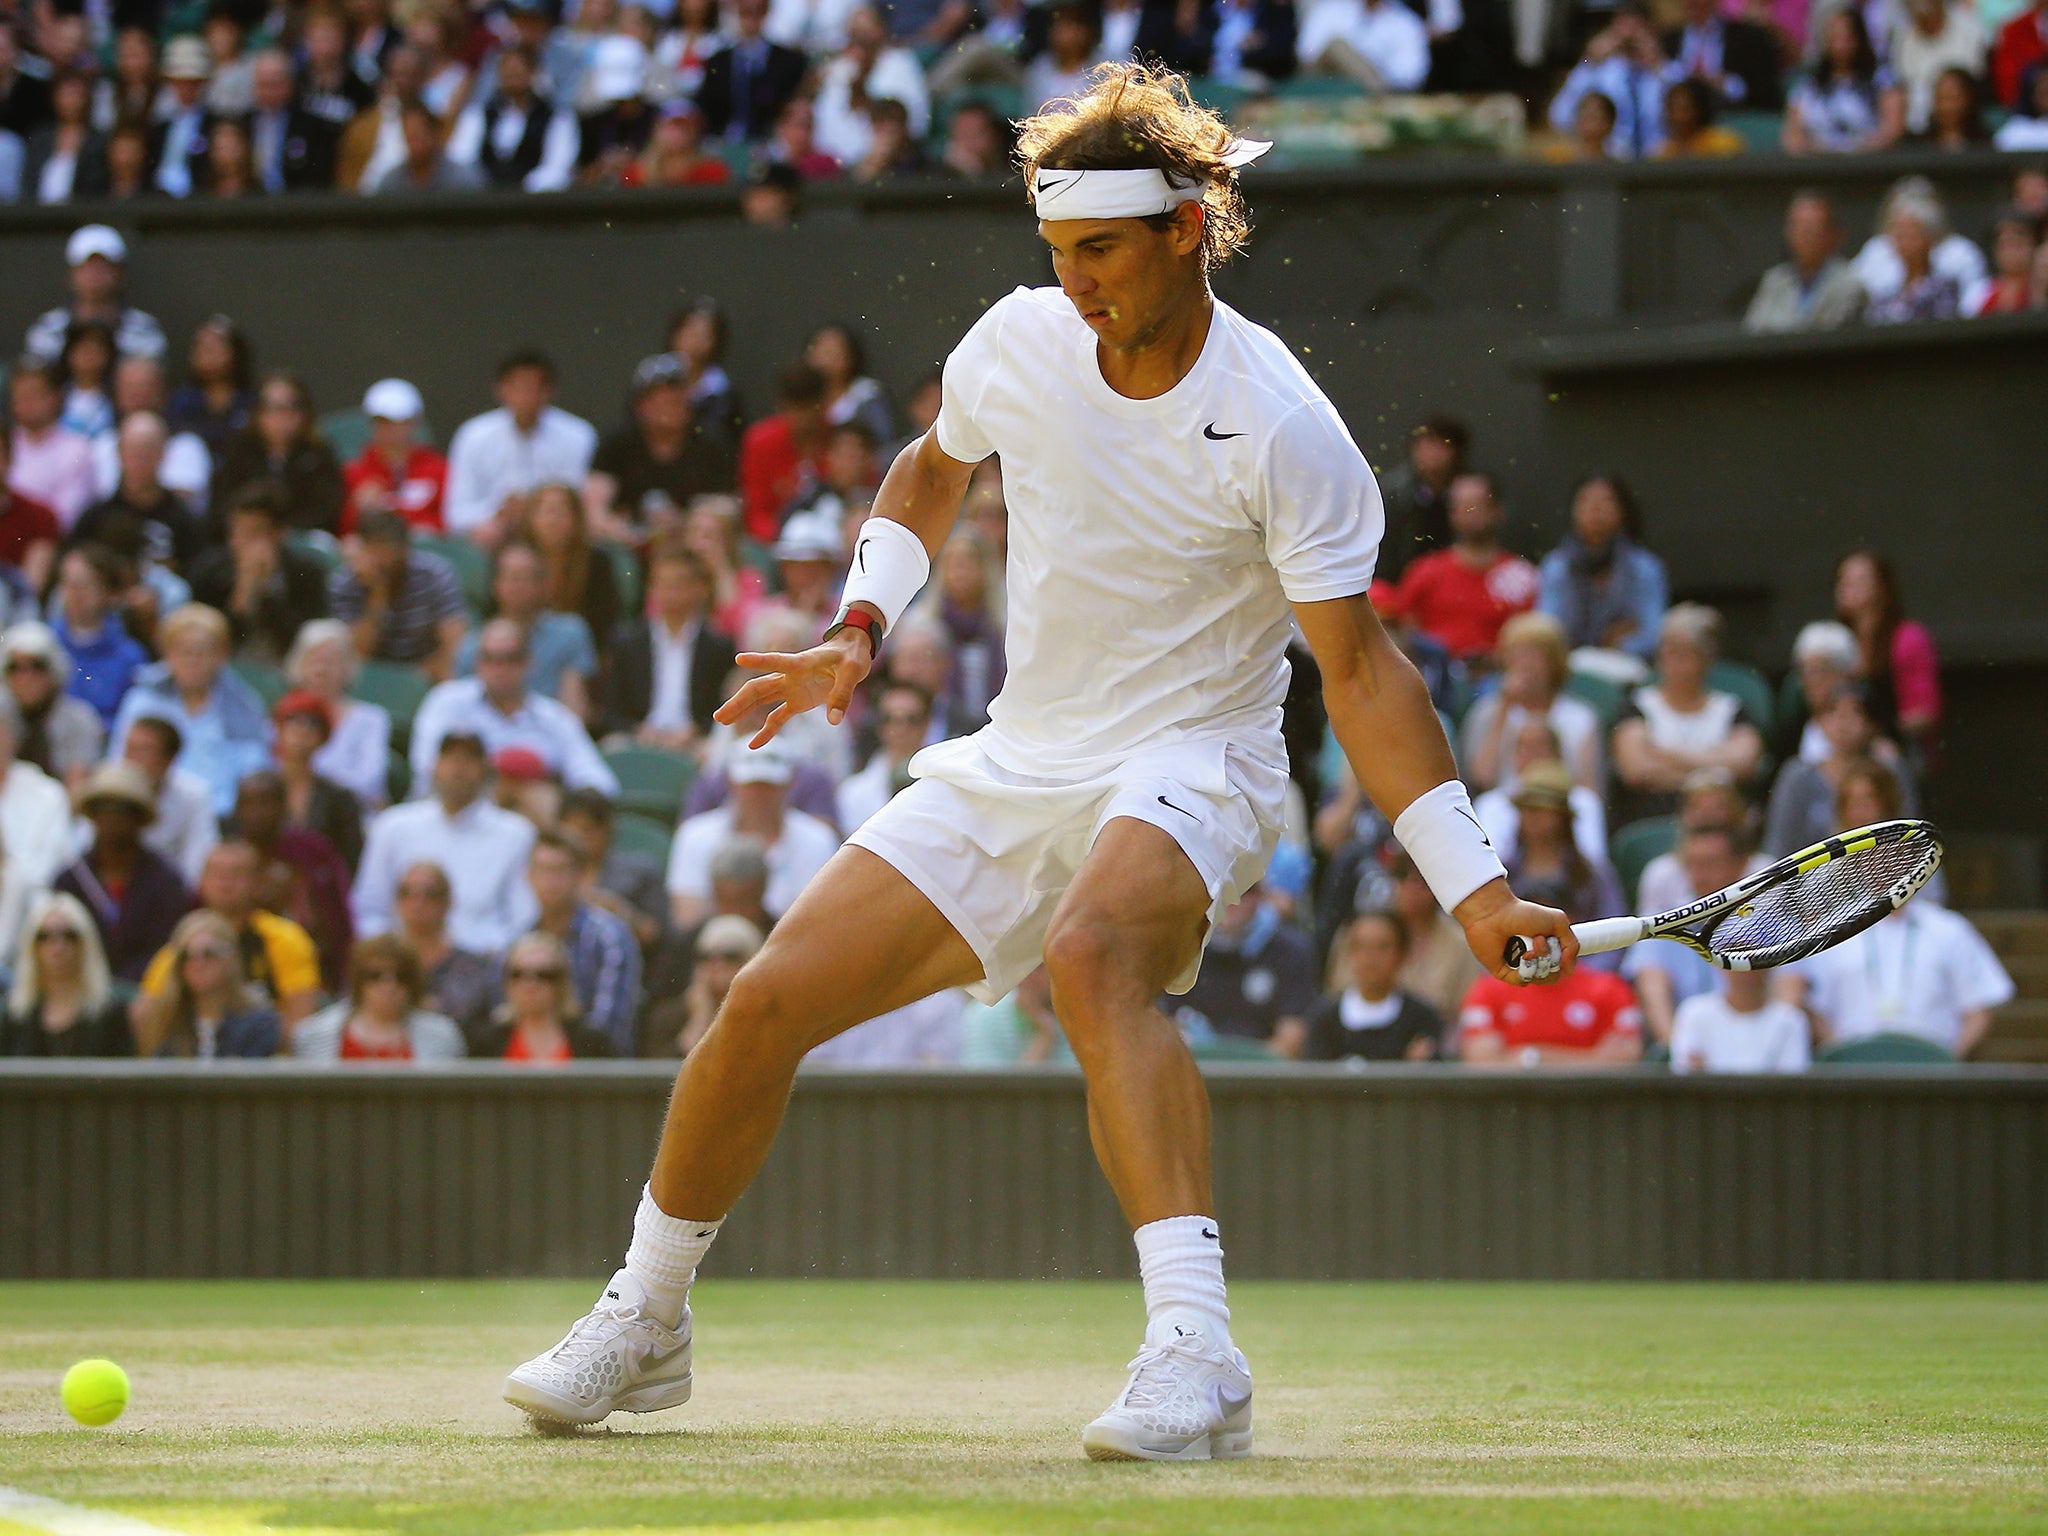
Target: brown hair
pixel 1882 782
pixel 1141 117
pixel 385 952
pixel 569 575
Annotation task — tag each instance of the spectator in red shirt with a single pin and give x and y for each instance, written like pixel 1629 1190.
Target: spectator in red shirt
pixel 780 454
pixel 2022 43
pixel 395 472
pixel 1461 596
pixel 674 156
pixel 1588 1018
pixel 29 530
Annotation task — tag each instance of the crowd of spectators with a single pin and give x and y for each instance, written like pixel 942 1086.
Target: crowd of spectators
pixel 227 99
pixel 385 754
pixel 1914 266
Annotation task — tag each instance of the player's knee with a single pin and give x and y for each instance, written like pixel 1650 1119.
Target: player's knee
pixel 758 1018
pixel 1091 969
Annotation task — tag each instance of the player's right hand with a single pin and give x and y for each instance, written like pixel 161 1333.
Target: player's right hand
pixel 792 682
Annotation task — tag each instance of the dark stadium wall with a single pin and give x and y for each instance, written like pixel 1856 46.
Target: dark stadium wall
pixel 192 1169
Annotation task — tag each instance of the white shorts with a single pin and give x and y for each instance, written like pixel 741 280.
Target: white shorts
pixel 995 850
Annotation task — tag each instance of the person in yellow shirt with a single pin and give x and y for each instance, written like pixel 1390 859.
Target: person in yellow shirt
pixel 1690 131
pixel 278 954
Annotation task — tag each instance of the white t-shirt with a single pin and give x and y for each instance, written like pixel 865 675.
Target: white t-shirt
pixel 806 843
pixel 1916 973
pixel 1154 544
pixel 1709 1036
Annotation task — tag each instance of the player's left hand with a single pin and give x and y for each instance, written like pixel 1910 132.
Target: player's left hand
pixel 792 682
pixel 1493 914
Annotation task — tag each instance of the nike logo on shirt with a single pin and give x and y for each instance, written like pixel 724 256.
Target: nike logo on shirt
pixel 1214 436
pixel 1191 816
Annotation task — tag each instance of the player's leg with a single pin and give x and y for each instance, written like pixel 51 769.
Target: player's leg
pixel 1128 925
pixel 860 941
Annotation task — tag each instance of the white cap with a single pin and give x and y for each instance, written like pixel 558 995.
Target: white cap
pixel 809 536
pixel 94 240
pixel 392 400
pixel 761 765
pixel 618 68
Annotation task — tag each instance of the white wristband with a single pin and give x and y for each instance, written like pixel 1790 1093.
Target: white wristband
pixel 889 566
pixel 1449 847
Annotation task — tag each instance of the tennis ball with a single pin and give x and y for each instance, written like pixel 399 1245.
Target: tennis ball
pixel 95 1391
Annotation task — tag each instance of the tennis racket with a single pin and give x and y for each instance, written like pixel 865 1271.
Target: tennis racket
pixel 1797 907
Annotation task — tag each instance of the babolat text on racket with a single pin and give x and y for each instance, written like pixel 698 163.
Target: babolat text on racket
pixel 1799 906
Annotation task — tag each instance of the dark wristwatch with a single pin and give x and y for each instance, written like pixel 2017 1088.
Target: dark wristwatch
pixel 867 623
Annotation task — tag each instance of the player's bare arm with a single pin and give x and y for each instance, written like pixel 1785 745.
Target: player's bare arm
pixel 1381 714
pixel 922 492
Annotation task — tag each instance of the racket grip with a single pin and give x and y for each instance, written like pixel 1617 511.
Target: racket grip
pixel 1595 938
pixel 1609 933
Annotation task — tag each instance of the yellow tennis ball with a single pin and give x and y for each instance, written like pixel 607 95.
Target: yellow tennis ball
pixel 95 1391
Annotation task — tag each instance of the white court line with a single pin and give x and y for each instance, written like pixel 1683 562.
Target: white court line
pixel 60 1519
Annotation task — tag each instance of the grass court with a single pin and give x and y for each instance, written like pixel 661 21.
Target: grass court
pixel 838 1408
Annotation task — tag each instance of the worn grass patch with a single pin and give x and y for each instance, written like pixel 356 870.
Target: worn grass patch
pixel 918 1409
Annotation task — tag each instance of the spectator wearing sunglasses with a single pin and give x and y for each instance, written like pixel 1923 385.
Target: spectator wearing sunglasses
pixel 63 1003
pixel 60 734
pixel 724 944
pixel 540 1022
pixel 457 983
pixel 384 1017
pixel 206 1007
pixel 604 956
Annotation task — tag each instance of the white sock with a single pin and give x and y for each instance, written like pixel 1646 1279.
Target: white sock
pixel 664 1256
pixel 1181 1262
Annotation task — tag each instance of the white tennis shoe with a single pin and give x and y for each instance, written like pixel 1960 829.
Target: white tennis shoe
pixel 616 1358
pixel 1187 1400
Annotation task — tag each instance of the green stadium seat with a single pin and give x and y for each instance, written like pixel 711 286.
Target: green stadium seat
pixel 397 688
pixel 1231 1048
pixel 652 783
pixel 472 566
pixel 1885 1050
pixel 1633 846
pixel 625 569
pixel 264 678
pixel 1607 698
pixel 632 833
pixel 397 776
pixel 1759 131
pixel 1750 686
pixel 347 431
pixel 318 546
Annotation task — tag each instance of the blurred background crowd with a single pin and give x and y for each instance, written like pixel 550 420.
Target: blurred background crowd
pixel 235 98
pixel 338 737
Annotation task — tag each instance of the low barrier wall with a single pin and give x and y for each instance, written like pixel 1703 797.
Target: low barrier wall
pixel 139 1169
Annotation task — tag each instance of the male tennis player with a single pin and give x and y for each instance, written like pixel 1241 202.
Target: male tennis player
pixel 1178 490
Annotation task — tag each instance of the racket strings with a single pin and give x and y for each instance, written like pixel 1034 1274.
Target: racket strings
pixel 1841 894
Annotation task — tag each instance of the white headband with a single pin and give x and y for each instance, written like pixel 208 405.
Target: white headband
pixel 1065 194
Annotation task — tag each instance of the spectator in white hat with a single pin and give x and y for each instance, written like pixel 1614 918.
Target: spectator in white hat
pixel 797 844
pixel 396 471
pixel 809 556
pixel 97 257
pixel 178 150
